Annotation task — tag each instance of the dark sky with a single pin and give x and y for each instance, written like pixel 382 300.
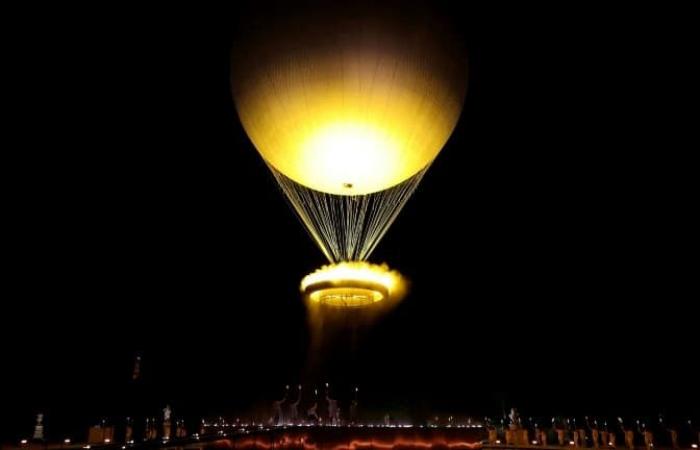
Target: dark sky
pixel 548 246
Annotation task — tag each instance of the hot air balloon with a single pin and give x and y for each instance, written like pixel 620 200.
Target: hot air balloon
pixel 349 107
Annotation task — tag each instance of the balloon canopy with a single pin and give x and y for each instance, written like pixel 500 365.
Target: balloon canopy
pixel 349 104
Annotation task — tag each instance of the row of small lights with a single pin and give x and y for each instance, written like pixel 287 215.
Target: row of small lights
pixel 360 425
pixel 221 433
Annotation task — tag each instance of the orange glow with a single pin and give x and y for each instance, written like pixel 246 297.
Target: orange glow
pixel 406 443
pixel 387 444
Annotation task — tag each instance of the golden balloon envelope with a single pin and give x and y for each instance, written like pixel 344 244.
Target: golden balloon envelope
pixel 349 104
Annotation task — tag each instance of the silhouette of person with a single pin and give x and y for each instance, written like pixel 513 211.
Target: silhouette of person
pixel 690 431
pixel 574 433
pixel 294 407
pixel 648 437
pixel 543 438
pixel 613 439
pixel 582 433
pixel 493 431
pixel 673 431
pixel 514 418
pixel 629 436
pixel 167 412
pixel 312 412
pixel 277 412
pixel 129 432
pixel 595 434
pixel 561 433
pixel 605 434
pixel 353 407
pixel 147 430
pixel 332 407
pixel 666 429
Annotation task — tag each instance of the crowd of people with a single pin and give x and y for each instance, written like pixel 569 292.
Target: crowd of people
pixel 319 409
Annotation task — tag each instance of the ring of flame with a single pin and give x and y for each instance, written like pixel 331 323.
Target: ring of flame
pixel 352 284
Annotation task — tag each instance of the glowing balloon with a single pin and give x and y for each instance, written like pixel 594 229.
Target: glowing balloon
pixel 349 106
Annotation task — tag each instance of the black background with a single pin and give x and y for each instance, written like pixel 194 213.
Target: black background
pixel 550 246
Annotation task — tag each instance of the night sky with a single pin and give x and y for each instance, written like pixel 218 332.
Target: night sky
pixel 548 245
